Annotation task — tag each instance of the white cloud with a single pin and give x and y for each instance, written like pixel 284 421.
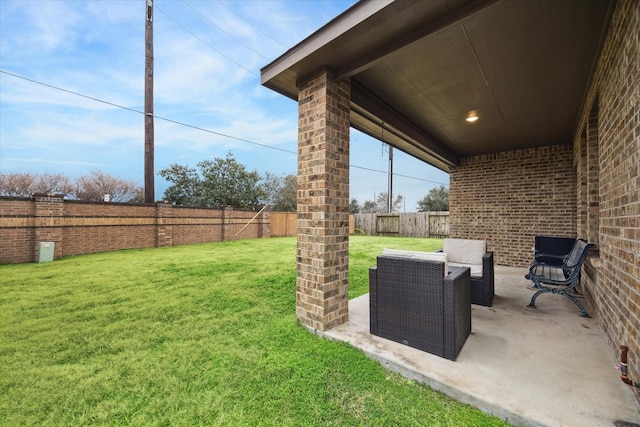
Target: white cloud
pixel 53 25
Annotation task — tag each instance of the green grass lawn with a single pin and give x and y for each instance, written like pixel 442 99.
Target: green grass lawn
pixel 194 335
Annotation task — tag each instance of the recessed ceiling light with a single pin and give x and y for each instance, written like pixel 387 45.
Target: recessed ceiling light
pixel 472 116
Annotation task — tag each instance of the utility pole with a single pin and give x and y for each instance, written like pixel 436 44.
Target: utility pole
pixel 149 190
pixel 390 189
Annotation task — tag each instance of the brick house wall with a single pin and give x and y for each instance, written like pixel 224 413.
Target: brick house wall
pixel 508 198
pixel 78 227
pixel 607 151
pixel 588 188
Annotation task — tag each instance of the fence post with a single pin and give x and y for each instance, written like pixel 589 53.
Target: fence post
pixel 264 229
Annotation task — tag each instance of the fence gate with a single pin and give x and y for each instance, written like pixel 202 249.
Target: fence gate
pixel 388 225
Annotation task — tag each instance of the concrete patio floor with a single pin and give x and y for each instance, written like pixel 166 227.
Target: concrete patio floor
pixel 532 367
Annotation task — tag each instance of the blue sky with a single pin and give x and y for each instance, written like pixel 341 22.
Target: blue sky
pixel 208 55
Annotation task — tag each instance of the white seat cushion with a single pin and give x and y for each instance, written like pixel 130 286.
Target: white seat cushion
pixel 475 269
pixel 429 256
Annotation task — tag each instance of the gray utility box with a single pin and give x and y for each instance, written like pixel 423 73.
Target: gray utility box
pixel 45 251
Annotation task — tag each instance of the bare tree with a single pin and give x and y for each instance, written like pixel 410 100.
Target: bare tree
pixel 26 184
pixel 380 205
pixel 94 187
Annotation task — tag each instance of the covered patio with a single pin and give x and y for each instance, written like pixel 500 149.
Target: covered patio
pixel 534 367
pixel 552 147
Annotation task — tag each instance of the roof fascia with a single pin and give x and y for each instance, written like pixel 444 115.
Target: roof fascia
pixel 332 30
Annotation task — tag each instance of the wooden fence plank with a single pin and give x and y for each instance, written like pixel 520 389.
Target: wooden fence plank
pixel 412 224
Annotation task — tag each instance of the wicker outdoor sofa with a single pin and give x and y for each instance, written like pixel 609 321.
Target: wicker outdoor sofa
pixel 473 254
pixel 412 302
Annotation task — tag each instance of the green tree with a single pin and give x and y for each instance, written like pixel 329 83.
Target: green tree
pixel 354 206
pixel 218 182
pixel 185 188
pixel 436 200
pixel 281 192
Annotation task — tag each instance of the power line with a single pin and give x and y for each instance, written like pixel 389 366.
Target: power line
pixel 218 27
pixel 254 27
pixel 176 122
pixel 206 43
pixel 142 112
pixel 397 174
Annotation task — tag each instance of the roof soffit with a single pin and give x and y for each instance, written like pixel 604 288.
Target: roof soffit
pixel 519 63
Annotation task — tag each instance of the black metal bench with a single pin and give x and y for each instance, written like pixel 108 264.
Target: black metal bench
pixel 552 250
pixel 560 276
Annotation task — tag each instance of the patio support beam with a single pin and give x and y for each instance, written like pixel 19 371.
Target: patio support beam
pixel 322 280
pixel 411 139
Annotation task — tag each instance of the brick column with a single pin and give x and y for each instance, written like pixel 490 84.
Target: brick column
pixel 322 284
pixel 49 213
pixel 227 226
pixel 164 224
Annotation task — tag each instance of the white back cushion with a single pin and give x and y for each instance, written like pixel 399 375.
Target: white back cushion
pixel 465 251
pixel 429 256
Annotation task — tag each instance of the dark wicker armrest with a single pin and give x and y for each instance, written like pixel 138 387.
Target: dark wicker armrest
pixel 488 280
pixel 487 269
pixel 373 300
pixel 457 275
pixel 457 310
pixel 487 261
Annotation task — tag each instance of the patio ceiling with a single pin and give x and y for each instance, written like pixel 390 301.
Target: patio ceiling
pixel 417 69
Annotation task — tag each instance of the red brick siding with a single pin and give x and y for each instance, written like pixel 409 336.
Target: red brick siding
pixel 17 237
pixel 102 227
pixel 590 190
pixel 613 106
pixel 508 198
pixel 81 227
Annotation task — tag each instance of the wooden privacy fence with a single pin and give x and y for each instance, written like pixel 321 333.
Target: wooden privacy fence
pixel 417 224
pixel 286 224
pixel 283 224
pixel 414 224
